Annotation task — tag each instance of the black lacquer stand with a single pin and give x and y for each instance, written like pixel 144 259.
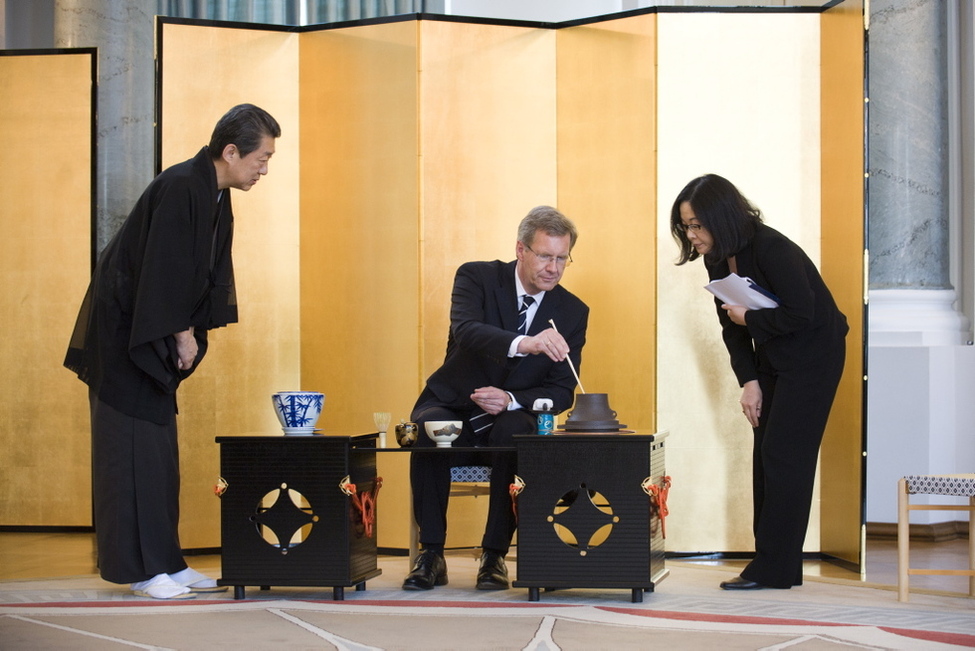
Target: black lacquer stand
pixel 584 518
pixel 285 520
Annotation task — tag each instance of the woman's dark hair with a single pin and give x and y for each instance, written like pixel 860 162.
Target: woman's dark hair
pixel 721 209
pixel 245 125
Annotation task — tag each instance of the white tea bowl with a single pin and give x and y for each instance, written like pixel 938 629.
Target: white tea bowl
pixel 443 432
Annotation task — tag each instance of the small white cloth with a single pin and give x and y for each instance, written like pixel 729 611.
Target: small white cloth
pixel 161 586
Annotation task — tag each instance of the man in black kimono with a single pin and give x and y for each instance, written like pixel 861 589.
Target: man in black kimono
pixel 164 280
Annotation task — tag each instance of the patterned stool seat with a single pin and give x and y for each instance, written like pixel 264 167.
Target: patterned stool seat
pixel 957 485
pixel 962 485
pixel 469 474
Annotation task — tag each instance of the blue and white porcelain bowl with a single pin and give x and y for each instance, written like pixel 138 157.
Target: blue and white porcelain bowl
pixel 298 411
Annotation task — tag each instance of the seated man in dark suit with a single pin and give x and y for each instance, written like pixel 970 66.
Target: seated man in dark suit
pixel 503 354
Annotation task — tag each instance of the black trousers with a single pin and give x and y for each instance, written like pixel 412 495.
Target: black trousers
pixel 135 484
pixel 430 474
pixel 795 408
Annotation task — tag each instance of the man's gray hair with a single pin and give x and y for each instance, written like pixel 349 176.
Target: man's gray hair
pixel 548 220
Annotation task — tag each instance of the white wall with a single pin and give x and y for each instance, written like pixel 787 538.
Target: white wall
pixel 537 10
pixel 561 10
pixel 921 415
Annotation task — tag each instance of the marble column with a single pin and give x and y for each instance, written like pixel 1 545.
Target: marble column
pixel 122 30
pixel 911 297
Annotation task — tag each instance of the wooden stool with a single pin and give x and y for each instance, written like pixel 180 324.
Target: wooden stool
pixel 465 481
pixel 955 485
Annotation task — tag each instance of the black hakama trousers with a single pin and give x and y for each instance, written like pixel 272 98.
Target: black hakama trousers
pixel 135 485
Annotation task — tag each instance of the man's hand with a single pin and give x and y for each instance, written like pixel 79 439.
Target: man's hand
pixel 186 348
pixel 547 342
pixel 491 399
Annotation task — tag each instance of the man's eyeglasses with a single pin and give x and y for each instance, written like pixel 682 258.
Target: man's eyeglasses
pixel 690 227
pixel 560 260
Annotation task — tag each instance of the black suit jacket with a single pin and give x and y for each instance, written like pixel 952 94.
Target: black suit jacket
pixel 804 328
pixel 483 322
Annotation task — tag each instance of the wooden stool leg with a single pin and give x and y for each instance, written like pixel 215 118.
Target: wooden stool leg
pixel 903 540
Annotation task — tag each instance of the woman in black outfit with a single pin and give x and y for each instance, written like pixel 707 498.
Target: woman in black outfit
pixel 787 359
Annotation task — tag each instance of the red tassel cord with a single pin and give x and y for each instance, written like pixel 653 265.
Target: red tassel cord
pixel 364 503
pixel 514 490
pixel 658 500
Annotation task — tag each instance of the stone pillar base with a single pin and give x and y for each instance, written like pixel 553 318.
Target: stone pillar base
pixel 916 317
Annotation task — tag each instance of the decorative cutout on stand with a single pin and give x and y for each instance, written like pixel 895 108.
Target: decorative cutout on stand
pixel 284 518
pixel 583 518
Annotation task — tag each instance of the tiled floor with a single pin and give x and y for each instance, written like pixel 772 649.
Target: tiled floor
pixel 40 555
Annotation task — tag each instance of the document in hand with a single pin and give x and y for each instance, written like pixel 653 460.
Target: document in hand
pixel 736 290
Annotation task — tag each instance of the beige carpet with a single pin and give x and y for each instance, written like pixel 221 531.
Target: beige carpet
pixel 687 611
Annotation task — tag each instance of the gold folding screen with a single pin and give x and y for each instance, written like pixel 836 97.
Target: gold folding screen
pixel 359 227
pixel 411 146
pixel 738 96
pixel 360 237
pixel 231 392
pixel 773 102
pixel 842 530
pixel 45 261
pixel 417 167
pixel 607 158
pixel 488 153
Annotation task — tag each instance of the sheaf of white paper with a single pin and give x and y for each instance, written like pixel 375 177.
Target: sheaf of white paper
pixel 735 290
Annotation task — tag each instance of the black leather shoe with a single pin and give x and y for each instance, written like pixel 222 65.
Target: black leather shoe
pixel 430 569
pixel 739 583
pixel 492 575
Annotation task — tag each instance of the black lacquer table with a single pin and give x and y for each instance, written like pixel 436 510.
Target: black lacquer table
pixel 585 515
pixel 285 518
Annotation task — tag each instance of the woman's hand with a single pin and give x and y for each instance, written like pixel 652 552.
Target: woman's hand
pixel 751 402
pixel 736 313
